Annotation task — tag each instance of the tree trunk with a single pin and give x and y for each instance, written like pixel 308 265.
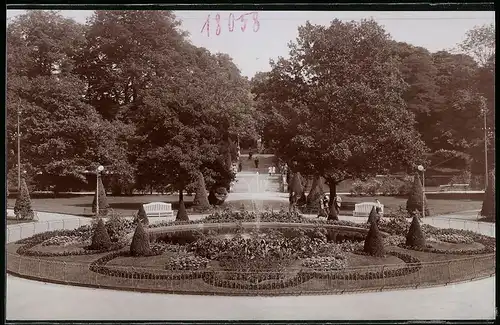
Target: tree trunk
pixel 181 194
pixel 332 213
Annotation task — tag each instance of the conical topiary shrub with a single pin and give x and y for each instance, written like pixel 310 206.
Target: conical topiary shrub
pixel 140 242
pixel 296 185
pixel 100 238
pixel 316 193
pixel 488 209
pixel 22 208
pixel 200 202
pixel 415 237
pixel 141 216
pixel 374 216
pixel 374 244
pixel 415 197
pixel 182 213
pixel 103 201
pixel 332 215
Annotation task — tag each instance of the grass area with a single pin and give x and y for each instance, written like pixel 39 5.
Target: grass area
pixel 128 205
pixel 13 221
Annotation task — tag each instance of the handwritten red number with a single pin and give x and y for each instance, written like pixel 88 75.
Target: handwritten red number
pixel 207 25
pixel 217 30
pixel 256 24
pixel 244 21
pixel 230 23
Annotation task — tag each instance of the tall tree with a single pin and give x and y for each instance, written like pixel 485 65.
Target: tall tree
pixel 335 105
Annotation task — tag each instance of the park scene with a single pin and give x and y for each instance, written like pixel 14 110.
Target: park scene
pixel 138 161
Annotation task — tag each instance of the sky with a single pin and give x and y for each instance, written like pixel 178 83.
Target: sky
pixel 251 50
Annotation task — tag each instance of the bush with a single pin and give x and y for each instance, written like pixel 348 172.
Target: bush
pixel 141 216
pixel 182 213
pixel 387 186
pixel 374 244
pixel 22 208
pixel 200 202
pixel 316 193
pixel 415 236
pixel 415 197
pixel 488 209
pixel 140 242
pixel 103 201
pixel 373 216
pixel 217 196
pixel 100 239
pixel 296 185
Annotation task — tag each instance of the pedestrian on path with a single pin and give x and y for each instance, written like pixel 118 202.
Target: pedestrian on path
pixel 270 170
pixel 273 170
pixel 240 166
pixel 256 162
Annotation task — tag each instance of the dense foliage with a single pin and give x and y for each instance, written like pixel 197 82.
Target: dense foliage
pixel 140 242
pixel 415 236
pixel 100 238
pixel 416 198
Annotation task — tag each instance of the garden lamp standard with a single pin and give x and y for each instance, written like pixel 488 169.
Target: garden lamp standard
pixel 18 148
pixel 484 111
pixel 99 169
pixel 422 169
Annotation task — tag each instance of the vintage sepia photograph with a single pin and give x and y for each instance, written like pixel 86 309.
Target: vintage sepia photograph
pixel 221 164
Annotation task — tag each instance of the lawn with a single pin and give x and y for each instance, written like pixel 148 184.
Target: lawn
pixel 128 205
pixel 13 221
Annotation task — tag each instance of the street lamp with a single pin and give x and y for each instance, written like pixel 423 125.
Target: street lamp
pixel 422 169
pixel 484 111
pixel 99 169
pixel 18 148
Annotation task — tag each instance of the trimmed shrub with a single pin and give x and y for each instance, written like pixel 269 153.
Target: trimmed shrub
pixel 22 208
pixel 415 197
pixel 182 213
pixel 296 185
pixel 140 242
pixel 332 215
pixel 103 201
pixel 217 195
pixel 141 216
pixel 488 209
pixel 373 216
pixel 415 236
pixel 374 244
pixel 316 193
pixel 100 238
pixel 200 201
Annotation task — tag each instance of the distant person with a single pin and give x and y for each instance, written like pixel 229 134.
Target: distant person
pixel 250 154
pixel 256 162
pixel 273 170
pixel 293 201
pixel 270 170
pixel 240 166
pixel 337 203
pixel 323 207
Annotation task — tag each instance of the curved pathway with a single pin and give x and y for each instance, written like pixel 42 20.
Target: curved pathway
pixel 62 302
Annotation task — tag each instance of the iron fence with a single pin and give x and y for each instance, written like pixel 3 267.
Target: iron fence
pixel 224 282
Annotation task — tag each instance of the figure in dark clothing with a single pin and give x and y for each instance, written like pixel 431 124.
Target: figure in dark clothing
pixel 250 154
pixel 240 166
pixel 256 162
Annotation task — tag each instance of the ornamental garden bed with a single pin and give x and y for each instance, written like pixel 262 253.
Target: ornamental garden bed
pixel 230 253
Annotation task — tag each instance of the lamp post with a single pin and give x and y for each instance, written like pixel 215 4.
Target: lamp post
pixel 99 169
pixel 18 148
pixel 422 169
pixel 484 111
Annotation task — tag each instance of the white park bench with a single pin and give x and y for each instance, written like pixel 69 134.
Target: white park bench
pixel 159 209
pixel 363 209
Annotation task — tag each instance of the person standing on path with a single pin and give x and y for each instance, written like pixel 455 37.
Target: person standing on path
pixel 270 170
pixel 273 170
pixel 240 166
pixel 337 202
pixel 256 162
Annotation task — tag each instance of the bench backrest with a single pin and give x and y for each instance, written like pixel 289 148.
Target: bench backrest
pixel 157 206
pixel 367 207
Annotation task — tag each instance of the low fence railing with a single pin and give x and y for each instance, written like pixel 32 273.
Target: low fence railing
pixel 213 282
